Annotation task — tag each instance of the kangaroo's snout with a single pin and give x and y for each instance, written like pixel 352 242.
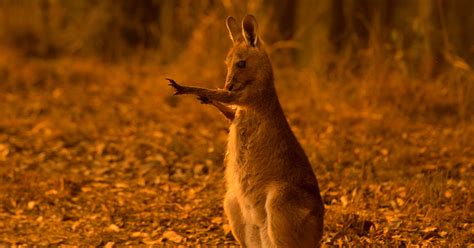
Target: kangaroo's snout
pixel 235 86
pixel 231 80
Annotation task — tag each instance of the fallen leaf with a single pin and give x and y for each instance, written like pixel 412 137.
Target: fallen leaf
pixel 4 151
pixel 51 192
pixel 109 245
pixel 57 93
pixel 344 200
pixel 139 234
pixel 216 220
pixel 121 185
pixel 340 242
pixel 86 189
pixel 429 229
pixel 75 225
pixel 113 228
pixel 226 228
pixel 400 201
pixel 148 241
pixel 448 194
pixel 99 149
pixel 31 204
pixel 173 236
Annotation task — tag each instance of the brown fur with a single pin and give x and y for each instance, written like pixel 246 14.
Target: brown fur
pixel 272 197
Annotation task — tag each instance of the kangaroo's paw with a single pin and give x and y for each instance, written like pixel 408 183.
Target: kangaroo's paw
pixel 178 89
pixel 204 100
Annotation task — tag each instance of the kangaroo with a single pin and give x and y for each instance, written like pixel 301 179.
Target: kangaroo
pixel 272 197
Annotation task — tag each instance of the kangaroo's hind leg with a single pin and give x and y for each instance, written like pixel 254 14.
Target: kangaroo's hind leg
pixel 234 215
pixel 293 220
pixel 252 235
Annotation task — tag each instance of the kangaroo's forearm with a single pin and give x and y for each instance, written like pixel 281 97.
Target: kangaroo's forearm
pixel 229 113
pixel 219 95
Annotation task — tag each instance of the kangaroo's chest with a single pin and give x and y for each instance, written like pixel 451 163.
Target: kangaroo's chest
pixel 244 149
pixel 242 136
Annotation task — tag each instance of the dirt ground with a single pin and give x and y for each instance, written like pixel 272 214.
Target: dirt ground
pixel 104 155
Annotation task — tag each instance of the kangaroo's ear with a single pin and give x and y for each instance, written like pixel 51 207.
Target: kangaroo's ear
pixel 249 29
pixel 234 30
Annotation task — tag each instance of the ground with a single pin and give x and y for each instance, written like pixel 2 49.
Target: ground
pixel 103 154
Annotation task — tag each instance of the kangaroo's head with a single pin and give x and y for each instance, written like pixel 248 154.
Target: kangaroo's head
pixel 249 72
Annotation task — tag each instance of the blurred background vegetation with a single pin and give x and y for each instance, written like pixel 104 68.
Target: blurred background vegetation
pixel 416 55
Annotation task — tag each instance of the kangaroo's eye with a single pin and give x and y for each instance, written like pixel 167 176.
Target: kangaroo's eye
pixel 241 64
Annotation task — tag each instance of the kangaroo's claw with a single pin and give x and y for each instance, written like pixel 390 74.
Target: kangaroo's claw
pixel 178 89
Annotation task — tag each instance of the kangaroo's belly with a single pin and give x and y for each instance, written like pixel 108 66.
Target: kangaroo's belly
pixel 243 177
pixel 239 151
